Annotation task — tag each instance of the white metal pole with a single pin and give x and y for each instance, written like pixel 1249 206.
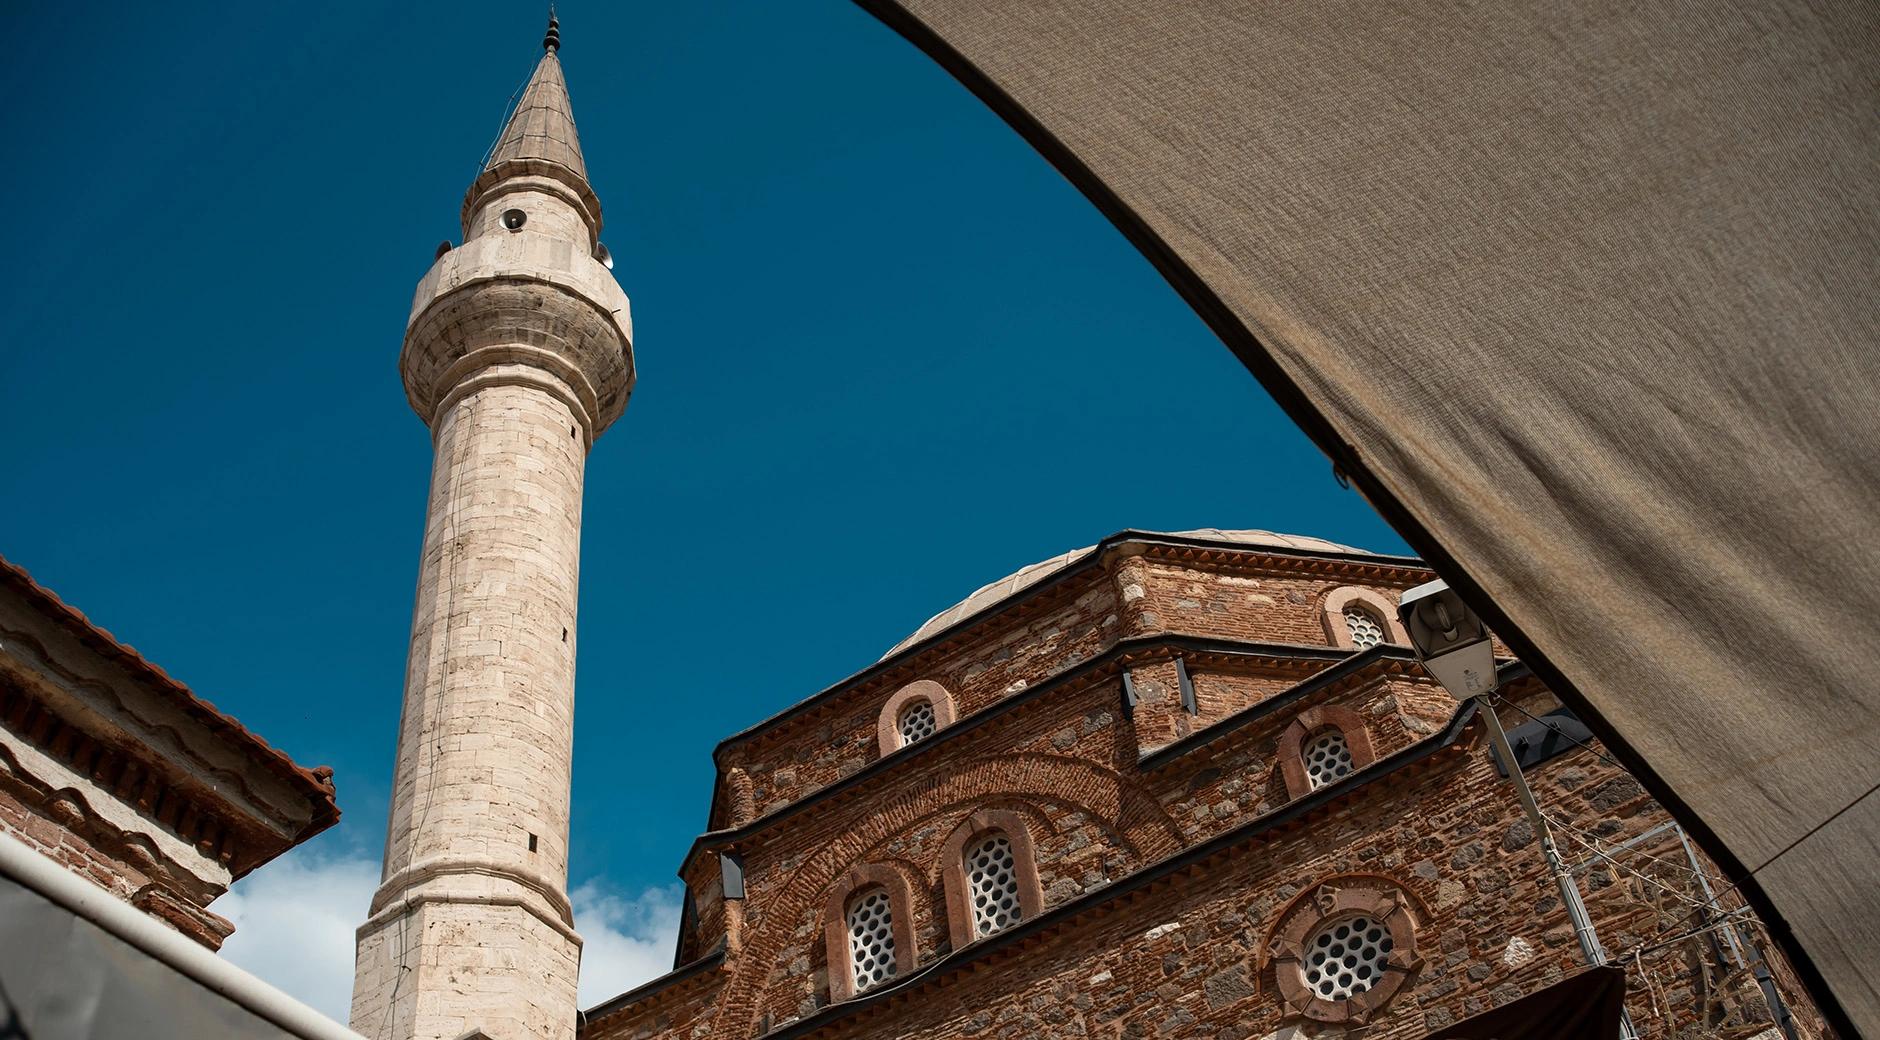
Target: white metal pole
pixel 1569 890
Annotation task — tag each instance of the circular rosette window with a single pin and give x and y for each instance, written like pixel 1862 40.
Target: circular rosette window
pixel 1343 950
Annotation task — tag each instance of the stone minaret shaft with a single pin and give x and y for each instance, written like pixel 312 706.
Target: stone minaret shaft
pixel 517 355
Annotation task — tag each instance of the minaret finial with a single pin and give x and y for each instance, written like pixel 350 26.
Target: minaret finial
pixel 552 42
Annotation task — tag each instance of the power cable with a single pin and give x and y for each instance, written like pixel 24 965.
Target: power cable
pixel 1647 878
pixel 1719 879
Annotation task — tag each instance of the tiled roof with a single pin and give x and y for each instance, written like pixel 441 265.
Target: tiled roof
pixel 543 124
pixel 316 784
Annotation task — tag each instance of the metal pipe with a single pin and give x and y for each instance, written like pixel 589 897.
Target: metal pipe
pixel 31 870
pixel 1569 891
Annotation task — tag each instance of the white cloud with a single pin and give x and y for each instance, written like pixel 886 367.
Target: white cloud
pixel 628 940
pixel 294 921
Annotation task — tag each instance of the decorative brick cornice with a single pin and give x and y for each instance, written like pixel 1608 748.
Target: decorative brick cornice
pixel 122 773
pixel 199 923
pixel 315 785
pixel 1267 561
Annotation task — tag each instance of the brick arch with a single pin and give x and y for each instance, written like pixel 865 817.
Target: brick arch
pixel 1133 819
pixel 1332 612
pixel 836 927
pixel 1292 762
pixel 888 725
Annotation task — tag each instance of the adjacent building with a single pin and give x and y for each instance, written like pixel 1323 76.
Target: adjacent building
pixel 127 805
pixel 127 778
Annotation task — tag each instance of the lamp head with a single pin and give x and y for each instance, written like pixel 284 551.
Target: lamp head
pixel 1451 639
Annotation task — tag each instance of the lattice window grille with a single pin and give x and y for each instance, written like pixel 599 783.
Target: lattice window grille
pixel 917 722
pixel 1345 958
pixel 1328 758
pixel 1365 630
pixel 992 880
pixel 871 939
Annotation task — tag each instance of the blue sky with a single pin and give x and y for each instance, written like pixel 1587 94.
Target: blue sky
pixel 886 354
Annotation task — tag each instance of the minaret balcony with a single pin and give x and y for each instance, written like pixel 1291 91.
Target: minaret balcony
pixel 521 306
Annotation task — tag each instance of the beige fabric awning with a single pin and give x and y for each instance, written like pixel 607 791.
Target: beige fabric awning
pixel 1583 295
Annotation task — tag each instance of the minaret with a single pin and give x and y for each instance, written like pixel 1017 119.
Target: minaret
pixel 517 355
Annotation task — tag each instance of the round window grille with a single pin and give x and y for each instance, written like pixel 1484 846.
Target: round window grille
pixel 1365 631
pixel 1345 958
pixel 917 722
pixel 871 939
pixel 1328 758
pixel 992 880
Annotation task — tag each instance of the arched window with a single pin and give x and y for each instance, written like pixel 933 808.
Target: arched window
pixel 868 930
pixel 1359 619
pixel 914 713
pixel 992 879
pixel 1365 629
pixel 917 722
pixel 1321 747
pixel 990 874
pixel 871 938
pixel 1328 758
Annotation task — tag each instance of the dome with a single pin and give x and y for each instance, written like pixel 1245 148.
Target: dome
pixel 1025 577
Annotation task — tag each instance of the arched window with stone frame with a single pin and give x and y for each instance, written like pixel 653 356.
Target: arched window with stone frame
pixel 990 874
pixel 868 930
pixel 912 714
pixel 1323 746
pixel 1358 618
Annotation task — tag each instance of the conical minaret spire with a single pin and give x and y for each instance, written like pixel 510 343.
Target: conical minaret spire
pixel 517 355
pixel 543 124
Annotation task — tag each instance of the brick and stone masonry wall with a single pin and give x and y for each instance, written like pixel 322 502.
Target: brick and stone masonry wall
pixel 1066 762
pixel 1256 603
pixel 1192 959
pixel 1491 923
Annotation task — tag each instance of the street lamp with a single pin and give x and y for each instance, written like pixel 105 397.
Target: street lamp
pixel 1455 647
pixel 1449 637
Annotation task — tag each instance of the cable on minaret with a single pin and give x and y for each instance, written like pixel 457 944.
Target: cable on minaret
pixel 552 41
